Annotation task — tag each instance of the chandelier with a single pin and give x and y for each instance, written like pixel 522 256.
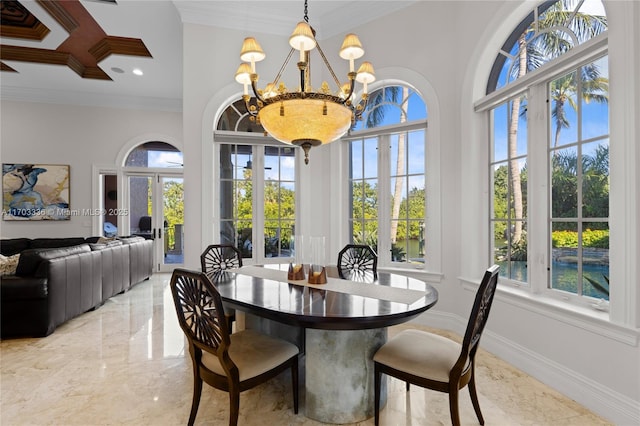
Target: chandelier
pixel 305 117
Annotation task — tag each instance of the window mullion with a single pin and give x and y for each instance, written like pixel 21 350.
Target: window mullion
pixel 538 244
pixel 384 202
pixel 257 177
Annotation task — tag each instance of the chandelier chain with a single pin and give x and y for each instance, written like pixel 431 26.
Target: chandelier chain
pixel 306 12
pixel 324 58
pixel 277 79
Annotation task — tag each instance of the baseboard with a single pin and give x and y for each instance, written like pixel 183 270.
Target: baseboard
pixel 611 405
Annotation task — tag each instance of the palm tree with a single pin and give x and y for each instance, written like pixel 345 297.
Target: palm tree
pixel 542 41
pixel 377 105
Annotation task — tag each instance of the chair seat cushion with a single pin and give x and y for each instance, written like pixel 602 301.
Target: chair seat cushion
pixel 420 353
pixel 253 353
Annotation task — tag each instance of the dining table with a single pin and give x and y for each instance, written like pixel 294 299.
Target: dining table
pixel 338 326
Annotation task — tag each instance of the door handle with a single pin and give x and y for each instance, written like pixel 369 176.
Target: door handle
pixel 154 234
pixel 159 232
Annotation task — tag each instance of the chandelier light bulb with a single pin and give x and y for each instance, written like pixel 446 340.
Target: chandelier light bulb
pixel 365 75
pixel 243 76
pixel 302 37
pixel 351 49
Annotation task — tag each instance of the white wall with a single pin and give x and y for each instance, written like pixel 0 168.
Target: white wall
pixel 80 136
pixel 592 361
pixel 447 43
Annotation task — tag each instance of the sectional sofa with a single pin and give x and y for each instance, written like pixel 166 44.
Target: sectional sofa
pixel 57 279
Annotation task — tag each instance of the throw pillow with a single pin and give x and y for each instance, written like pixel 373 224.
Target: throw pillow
pixel 8 264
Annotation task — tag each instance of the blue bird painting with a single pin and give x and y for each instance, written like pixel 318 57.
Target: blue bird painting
pixel 35 192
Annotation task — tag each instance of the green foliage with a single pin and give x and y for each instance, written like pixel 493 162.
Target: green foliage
pixel 397 253
pixel 365 210
pixel 601 288
pixel 416 214
pixel 597 238
pixel 173 208
pixel 279 215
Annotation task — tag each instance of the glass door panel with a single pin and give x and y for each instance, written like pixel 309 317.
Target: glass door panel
pixel 141 206
pixel 173 220
pixel 156 205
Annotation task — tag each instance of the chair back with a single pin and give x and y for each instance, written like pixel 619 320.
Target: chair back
pixel 218 258
pixel 200 312
pixel 144 224
pixel 479 316
pixel 358 262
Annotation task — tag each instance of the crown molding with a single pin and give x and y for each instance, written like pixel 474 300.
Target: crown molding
pixel 279 17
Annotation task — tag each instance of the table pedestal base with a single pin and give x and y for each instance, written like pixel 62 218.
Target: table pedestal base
pixel 339 374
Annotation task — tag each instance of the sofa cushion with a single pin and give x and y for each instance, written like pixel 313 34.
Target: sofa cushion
pixel 56 242
pixel 31 259
pixel 131 239
pixel 13 246
pixel 8 264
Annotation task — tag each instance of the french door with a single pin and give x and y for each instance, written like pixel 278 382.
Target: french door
pixel 156 212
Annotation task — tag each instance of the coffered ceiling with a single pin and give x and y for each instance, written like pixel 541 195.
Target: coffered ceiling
pixel 85 51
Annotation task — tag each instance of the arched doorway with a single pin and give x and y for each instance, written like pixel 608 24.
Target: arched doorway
pixel 154 200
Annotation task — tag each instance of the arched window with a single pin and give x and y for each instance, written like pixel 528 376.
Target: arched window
pixel 549 153
pixel 549 31
pixel 154 154
pixel 257 187
pixel 387 176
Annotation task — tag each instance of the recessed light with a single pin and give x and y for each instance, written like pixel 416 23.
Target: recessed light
pixel 137 71
pixel 118 70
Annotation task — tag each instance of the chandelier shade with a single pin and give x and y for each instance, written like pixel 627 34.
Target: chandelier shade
pixel 302 38
pixel 251 51
pixel 304 117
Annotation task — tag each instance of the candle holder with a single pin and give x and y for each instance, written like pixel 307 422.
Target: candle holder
pixel 317 276
pixel 296 272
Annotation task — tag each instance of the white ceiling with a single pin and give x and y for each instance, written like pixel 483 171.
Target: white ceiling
pixel 159 24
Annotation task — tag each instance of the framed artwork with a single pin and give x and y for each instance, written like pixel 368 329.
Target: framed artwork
pixel 35 192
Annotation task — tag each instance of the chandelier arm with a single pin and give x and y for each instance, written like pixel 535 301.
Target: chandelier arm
pixel 254 86
pixel 247 104
pixel 352 84
pixel 361 107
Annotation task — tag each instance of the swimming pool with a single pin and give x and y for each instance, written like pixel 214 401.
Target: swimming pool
pixel 564 276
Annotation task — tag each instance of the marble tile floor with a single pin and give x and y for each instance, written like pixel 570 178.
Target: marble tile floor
pixel 125 364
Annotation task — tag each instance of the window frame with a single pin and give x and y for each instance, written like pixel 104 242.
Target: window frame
pixel 382 134
pixel 258 143
pixel 535 84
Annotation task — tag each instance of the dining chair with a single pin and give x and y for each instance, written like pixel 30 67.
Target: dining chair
pixel 435 362
pixel 215 261
pixel 358 262
pixel 229 362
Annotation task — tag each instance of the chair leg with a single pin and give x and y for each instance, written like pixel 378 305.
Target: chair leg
pixel 197 391
pixel 234 406
pixel 377 382
pixel 230 318
pixel 474 396
pixel 453 406
pixel 294 383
